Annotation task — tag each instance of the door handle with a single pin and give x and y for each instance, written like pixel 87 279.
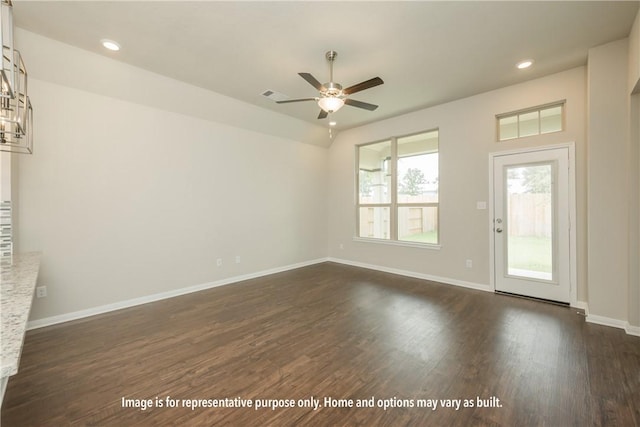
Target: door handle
pixel 498 230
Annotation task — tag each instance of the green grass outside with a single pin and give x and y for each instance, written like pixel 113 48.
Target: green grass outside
pixel 530 253
pixel 428 237
pixel 525 253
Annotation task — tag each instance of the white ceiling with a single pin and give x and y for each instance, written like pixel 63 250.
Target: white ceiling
pixel 426 52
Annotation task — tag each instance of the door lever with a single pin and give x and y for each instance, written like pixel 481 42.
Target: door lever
pixel 498 230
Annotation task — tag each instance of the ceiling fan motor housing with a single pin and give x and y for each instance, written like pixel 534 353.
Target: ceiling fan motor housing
pixel 332 95
pixel 331 89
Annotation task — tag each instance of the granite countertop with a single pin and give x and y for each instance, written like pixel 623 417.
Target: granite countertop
pixel 17 282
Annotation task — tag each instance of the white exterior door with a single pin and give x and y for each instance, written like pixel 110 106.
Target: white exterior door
pixel 531 224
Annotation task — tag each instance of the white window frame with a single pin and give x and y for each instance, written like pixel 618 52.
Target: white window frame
pixel 537 109
pixel 393 205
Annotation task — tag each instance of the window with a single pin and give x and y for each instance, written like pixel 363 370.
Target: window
pixel 398 189
pixel 532 121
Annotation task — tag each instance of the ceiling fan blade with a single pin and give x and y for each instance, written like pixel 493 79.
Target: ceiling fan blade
pixel 311 80
pixel 360 104
pixel 323 114
pixel 296 100
pixel 363 85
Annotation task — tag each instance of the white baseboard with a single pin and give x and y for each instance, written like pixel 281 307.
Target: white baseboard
pixel 606 321
pixel 582 305
pixel 632 330
pixel 614 323
pixel 445 280
pixel 53 320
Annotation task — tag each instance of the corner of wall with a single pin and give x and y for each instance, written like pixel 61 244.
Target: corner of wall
pixel 634 178
pixel 634 56
pixel 608 168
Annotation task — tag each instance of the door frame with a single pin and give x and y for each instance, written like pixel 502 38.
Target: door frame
pixel 573 269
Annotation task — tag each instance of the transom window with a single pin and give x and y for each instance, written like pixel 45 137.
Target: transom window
pixel 532 121
pixel 397 183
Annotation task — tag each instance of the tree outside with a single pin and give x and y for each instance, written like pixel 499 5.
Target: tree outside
pixel 412 182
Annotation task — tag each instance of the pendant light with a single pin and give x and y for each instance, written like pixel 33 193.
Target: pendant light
pixel 16 113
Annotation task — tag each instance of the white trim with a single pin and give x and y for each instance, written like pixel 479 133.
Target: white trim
pixel 573 228
pixel 606 321
pixel 415 275
pixel 573 260
pixel 393 204
pixel 398 243
pixel 532 149
pixel 81 314
pixel 53 320
pixel 580 305
pixel 614 323
pixel 632 330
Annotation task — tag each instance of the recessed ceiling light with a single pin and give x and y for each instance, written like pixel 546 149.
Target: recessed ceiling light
pixel 333 123
pixel 524 64
pixel 110 44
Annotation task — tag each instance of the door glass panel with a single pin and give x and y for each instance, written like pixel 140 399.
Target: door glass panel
pixel 529 224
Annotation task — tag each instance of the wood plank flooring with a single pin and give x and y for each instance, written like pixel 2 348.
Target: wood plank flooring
pixel 330 330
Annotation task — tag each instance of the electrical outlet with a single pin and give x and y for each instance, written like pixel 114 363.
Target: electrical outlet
pixel 41 292
pixel 237 259
pixel 469 263
pixel 219 262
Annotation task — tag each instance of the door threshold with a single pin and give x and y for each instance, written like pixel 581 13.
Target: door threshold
pixel 548 301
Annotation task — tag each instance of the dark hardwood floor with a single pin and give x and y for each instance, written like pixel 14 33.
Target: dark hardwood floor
pixel 330 330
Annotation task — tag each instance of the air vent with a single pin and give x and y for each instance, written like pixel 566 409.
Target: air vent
pixel 274 96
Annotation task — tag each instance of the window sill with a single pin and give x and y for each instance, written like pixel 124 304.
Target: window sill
pixel 428 246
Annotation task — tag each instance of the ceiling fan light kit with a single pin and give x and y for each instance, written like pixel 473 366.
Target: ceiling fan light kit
pixel 330 104
pixel 332 95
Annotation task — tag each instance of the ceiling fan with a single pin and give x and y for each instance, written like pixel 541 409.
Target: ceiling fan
pixel 332 95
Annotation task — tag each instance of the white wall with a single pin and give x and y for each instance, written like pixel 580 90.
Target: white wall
pixel 127 200
pixel 467 136
pixel 56 62
pixel 608 172
pixel 634 56
pixel 634 211
pixel 634 174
